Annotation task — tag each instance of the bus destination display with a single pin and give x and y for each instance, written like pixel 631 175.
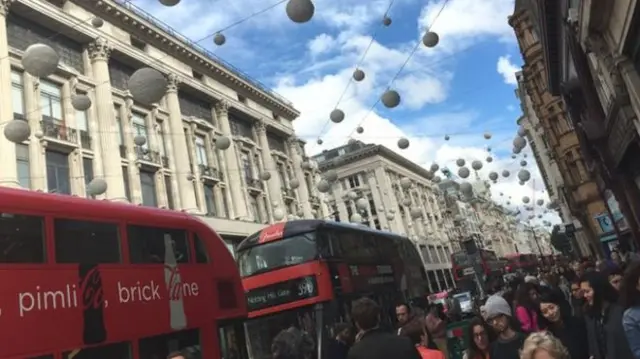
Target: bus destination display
pixel 281 293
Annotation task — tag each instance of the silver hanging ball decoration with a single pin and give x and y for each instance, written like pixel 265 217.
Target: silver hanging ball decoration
pixel 169 2
pixel 97 186
pixel 265 176
pixel 489 159
pixel 463 172
pixel 222 142
pixel 476 165
pixel 97 22
pixel 386 21
pixel 17 131
pixel 359 129
pixel 434 167
pixel 493 176
pixel 190 177
pixel 437 179
pixel 278 214
pixel 147 85
pixel 319 141
pixel 522 131
pixel 300 11
pixel 513 156
pixel 139 140
pixel 361 204
pixel 540 202
pixel 523 163
pixel 39 134
pixel 40 60
pixel 81 102
pixel 429 175
pixel 460 162
pixel 406 202
pixel 352 141
pixel 466 188
pixel 430 39
pixel 294 183
pixel 519 142
pixel 487 136
pixel 416 212
pixel 306 165
pixel 525 199
pixel 219 39
pixel 405 183
pixel 447 137
pixel 336 116
pixel 517 150
pixel 390 216
pixel 403 143
pixel 355 218
pixel 524 175
pixel 390 98
pixel 358 75
pixel 323 186
pixel 331 175
pixel 505 173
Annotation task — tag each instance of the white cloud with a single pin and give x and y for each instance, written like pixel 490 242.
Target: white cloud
pixel 321 44
pixel 507 69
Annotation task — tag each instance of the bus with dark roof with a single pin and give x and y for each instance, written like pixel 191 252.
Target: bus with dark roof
pixel 90 279
pixel 306 273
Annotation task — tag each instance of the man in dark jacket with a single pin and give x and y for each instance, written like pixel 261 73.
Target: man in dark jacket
pixel 373 342
pixel 406 317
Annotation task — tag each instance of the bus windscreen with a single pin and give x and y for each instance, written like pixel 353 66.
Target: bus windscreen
pixel 278 254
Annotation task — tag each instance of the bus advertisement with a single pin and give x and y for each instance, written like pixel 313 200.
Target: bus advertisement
pixel 86 278
pixel 306 273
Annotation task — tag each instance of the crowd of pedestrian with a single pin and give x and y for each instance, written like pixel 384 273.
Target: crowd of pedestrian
pixel 579 311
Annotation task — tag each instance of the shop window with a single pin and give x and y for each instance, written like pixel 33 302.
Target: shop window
pixel 150 244
pixel 86 242
pixel 21 239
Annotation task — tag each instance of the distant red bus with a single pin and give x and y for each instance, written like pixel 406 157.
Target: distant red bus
pixel 306 273
pixel 521 262
pixel 90 279
pixel 484 262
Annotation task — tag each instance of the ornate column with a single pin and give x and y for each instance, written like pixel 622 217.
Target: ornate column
pixel 9 175
pixel 99 52
pixel 180 155
pixel 133 170
pixel 175 186
pixel 295 151
pixel 389 200
pixel 37 165
pixel 274 185
pixel 238 207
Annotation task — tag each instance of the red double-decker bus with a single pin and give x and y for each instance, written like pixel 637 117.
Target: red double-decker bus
pixel 306 273
pixel 91 279
pixel 526 263
pixel 484 262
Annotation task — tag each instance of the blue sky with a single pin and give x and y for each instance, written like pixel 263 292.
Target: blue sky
pixel 464 87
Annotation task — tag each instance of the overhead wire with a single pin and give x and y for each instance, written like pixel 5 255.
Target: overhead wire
pixel 358 65
pixel 406 62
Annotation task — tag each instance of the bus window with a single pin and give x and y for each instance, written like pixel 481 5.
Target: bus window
pixel 111 351
pixel 86 242
pixel 147 244
pixel 21 239
pixel 277 254
pixel 232 344
pixel 42 357
pixel 201 250
pixel 160 346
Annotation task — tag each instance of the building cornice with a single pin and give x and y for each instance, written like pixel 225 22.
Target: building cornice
pixel 371 151
pixel 128 17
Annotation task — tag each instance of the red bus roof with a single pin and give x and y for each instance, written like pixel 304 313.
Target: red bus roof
pixel 58 303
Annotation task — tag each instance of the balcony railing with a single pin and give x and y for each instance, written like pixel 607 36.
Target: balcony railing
pixel 210 172
pixel 59 131
pixel 145 154
pixel 85 139
pixel 254 183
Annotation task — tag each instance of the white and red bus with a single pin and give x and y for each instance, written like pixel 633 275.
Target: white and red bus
pixel 306 273
pixel 91 279
pixel 484 262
